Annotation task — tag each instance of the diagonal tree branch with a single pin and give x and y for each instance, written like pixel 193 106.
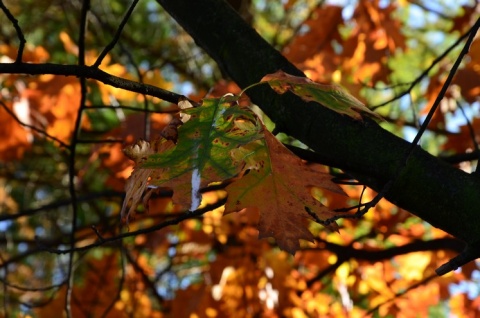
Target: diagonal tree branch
pixel 34 128
pixel 115 39
pixel 438 193
pixel 426 72
pixel 21 37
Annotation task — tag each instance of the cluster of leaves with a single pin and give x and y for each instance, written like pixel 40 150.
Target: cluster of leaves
pixel 220 140
pixel 383 263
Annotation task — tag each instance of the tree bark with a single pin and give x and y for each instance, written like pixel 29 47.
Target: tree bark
pixel 440 194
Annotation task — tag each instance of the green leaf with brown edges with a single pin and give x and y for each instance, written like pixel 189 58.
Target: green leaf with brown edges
pixel 333 97
pixel 202 153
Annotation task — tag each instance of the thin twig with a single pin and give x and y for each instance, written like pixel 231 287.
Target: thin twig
pixel 115 39
pixel 383 88
pixel 473 135
pixel 425 8
pixel 100 141
pixel 386 188
pixel 471 35
pixel 184 216
pixel 328 270
pixel 5 289
pixel 427 70
pixel 73 151
pixel 403 292
pixel 38 130
pixel 31 289
pixel 97 233
pixel 414 124
pixel 21 37
pixel 60 203
pixel 39 304
pixel 133 108
pixel 147 124
pixel 148 282
pixel 120 283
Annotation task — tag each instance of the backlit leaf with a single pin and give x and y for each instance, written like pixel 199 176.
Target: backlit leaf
pixel 333 97
pixel 278 185
pixel 202 154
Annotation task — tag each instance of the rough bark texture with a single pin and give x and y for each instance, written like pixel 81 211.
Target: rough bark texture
pixel 429 188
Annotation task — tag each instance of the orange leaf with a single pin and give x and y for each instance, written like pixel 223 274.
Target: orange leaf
pixel 16 139
pixel 322 30
pixel 278 184
pixel 467 78
pixel 57 100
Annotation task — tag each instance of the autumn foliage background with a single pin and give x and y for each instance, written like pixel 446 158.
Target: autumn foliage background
pixel 61 156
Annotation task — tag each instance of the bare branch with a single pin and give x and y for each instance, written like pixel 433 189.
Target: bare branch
pixel 403 292
pixel 471 130
pixel 73 150
pixel 115 39
pixel 36 129
pixel 21 37
pixel 386 188
pixel 425 73
pixel 57 204
pixel 185 216
pixel 90 73
pixel 148 282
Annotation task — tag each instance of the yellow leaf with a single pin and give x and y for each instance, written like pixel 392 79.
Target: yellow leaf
pixel 342 272
pixel 412 266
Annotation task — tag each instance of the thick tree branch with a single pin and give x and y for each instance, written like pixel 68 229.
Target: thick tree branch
pixel 438 193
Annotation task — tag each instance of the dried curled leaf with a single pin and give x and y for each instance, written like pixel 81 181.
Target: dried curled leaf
pixel 138 180
pixel 138 151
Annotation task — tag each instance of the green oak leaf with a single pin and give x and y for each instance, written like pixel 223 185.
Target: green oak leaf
pixel 202 153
